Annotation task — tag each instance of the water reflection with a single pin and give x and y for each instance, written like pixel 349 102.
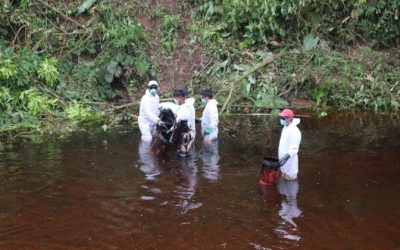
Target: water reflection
pixel 287 228
pixel 210 159
pixel 148 164
pixel 186 182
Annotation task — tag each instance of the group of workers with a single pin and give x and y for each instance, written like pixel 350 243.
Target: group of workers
pixel 183 108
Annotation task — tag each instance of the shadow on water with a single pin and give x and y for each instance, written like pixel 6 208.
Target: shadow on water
pixel 105 190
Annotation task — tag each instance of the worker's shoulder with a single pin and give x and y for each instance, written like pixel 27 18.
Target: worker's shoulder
pixel 294 129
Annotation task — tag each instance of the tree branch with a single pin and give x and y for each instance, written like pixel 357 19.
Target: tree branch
pixel 246 74
pixel 63 15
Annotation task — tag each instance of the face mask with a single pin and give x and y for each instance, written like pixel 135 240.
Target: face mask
pixel 174 101
pixel 283 121
pixel 153 91
pixel 203 101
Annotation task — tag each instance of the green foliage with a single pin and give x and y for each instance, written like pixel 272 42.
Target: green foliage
pixel 48 71
pixel 6 100
pixel 7 69
pixel 48 62
pixel 170 24
pixel 35 103
pixel 364 80
pixel 79 112
pixel 261 21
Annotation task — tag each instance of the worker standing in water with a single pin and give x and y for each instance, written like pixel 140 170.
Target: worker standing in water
pixel 181 135
pixel 209 119
pixel 289 144
pixel 148 112
pixel 189 101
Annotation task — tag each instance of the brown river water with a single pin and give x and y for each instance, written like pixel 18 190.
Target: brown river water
pixel 102 190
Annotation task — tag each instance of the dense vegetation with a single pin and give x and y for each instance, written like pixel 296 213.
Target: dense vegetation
pixel 54 68
pixel 339 53
pixel 62 62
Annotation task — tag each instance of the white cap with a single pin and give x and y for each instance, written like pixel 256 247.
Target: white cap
pixel 151 83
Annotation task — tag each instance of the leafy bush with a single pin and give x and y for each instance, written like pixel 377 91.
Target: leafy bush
pixel 35 103
pixel 261 21
pixel 79 112
pixel 169 26
pixel 48 62
pixel 48 71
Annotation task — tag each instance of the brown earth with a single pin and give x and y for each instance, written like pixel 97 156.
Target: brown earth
pixel 176 69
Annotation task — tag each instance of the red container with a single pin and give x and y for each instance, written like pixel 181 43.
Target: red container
pixel 269 174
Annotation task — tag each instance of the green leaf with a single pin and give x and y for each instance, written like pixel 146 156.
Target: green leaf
pixel 310 42
pixel 252 80
pixel 238 67
pixel 85 6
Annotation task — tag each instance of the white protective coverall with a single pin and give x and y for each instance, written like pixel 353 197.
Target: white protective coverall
pixel 148 115
pixel 210 119
pixel 289 144
pixel 183 113
pixel 192 116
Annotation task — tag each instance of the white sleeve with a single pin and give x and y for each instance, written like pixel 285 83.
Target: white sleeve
pixel 213 116
pixel 149 111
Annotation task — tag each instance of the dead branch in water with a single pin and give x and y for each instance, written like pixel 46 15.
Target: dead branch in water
pixel 128 105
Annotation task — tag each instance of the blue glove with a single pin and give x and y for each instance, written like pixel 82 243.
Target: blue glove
pixel 208 131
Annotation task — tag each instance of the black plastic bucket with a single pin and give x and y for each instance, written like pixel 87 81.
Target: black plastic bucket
pixel 269 173
pixel 270 163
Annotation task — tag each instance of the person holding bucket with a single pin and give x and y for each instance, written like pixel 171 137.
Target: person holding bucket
pixel 289 144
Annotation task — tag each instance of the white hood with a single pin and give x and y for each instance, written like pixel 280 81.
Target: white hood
pixel 296 121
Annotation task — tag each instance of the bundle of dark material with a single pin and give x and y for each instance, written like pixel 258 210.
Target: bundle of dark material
pixel 171 133
pixel 163 132
pixel 181 138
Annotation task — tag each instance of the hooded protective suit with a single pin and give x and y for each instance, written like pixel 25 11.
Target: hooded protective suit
pixel 148 115
pixel 210 119
pixel 289 144
pixel 192 116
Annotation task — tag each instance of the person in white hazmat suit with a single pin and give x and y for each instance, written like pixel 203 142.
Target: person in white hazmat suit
pixel 209 119
pixel 189 101
pixel 289 144
pixel 148 111
pixel 183 114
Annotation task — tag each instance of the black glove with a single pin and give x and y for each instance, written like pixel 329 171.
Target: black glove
pixel 284 159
